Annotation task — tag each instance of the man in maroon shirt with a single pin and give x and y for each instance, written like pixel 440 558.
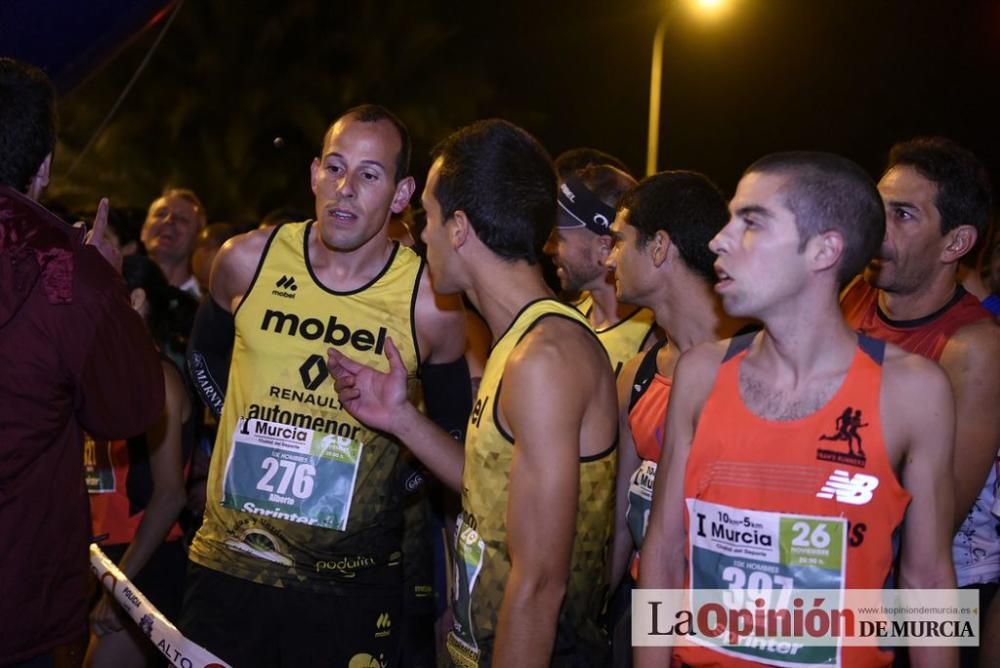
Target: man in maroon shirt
pixel 937 204
pixel 74 356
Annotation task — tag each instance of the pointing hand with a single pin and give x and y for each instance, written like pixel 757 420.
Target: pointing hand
pixel 98 237
pixel 373 397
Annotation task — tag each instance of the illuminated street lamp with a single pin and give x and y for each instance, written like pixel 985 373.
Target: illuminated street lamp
pixel 656 78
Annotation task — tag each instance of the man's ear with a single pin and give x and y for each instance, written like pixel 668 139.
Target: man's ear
pixel 958 242
pixel 604 245
pixel 825 249
pixel 40 181
pixel 313 174
pixel 459 229
pixel 660 247
pixel 404 191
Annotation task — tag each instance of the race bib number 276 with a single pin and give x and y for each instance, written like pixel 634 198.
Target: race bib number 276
pixel 293 474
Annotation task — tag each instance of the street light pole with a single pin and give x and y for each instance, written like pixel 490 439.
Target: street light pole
pixel 655 88
pixel 656 80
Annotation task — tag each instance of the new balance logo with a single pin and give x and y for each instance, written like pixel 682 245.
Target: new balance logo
pixel 857 490
pixel 287 287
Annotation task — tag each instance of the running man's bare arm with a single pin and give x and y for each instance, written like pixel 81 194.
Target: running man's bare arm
pixel 546 392
pixel 918 407
pixel 444 371
pixel 628 462
pixel 211 344
pixel 440 322
pixel 234 267
pixel 972 361
pixel 168 497
pixel 663 548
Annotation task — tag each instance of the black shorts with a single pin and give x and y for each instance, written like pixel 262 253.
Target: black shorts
pixel 248 624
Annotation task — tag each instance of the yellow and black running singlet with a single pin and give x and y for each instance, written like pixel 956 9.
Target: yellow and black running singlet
pixel 482 556
pixel 299 492
pixel 626 338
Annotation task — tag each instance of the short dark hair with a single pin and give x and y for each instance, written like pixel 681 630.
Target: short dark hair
pixel 828 192
pixel 688 207
pixel 373 113
pixel 503 180
pixel 575 159
pixel 28 122
pixel 606 182
pixel 126 223
pixel 964 195
pixel 171 310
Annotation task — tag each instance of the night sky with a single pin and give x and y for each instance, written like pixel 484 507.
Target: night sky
pixel 849 76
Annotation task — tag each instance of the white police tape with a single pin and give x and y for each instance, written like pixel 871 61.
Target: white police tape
pixel 178 650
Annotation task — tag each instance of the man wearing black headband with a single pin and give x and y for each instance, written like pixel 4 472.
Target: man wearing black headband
pixel 580 246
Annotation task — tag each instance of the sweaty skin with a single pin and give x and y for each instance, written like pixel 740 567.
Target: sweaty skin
pixel 557 404
pixel 791 369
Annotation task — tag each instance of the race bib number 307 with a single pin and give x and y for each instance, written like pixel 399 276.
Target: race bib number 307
pixel 768 557
pixel 292 474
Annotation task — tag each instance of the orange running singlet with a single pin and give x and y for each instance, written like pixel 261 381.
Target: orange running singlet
pixel 813 503
pixel 646 420
pixel 117 501
pixel 925 336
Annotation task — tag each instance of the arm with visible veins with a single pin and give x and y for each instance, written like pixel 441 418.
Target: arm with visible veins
pixel 628 462
pixel 972 361
pixel 663 548
pixel 918 409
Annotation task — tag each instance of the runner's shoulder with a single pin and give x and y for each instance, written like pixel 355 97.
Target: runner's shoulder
pixel 694 375
pixel 236 263
pixel 974 344
pixel 558 370
pixel 440 322
pixel 247 246
pixel 907 365
pixel 703 358
pixel 435 305
pixel 627 375
pixel 562 348
pixel 912 378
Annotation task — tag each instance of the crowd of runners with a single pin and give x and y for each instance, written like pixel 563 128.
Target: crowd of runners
pixel 459 425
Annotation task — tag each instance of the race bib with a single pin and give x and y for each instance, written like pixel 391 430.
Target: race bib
pixel 640 499
pixel 98 471
pixel 469 552
pixel 292 474
pixel 770 556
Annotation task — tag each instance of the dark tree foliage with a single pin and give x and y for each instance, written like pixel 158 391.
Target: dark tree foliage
pixel 232 76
